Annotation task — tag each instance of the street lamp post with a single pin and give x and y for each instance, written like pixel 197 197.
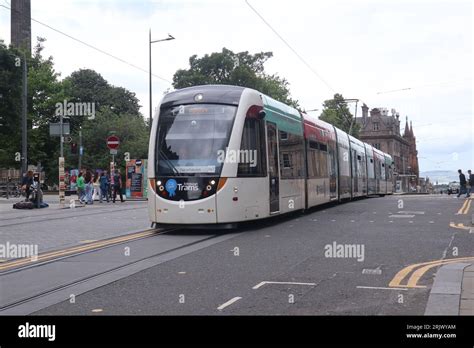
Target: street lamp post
pixel 355 114
pixel 170 37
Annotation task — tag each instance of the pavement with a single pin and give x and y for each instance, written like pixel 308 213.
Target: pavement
pixel 280 266
pixel 53 228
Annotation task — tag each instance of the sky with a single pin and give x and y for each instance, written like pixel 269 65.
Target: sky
pixel 369 50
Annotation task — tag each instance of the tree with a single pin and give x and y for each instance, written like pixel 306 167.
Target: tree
pixel 117 109
pixel 132 131
pixel 336 112
pixel 10 105
pixel 239 69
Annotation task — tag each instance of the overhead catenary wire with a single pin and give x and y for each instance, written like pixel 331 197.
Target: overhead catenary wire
pixel 91 46
pixel 290 47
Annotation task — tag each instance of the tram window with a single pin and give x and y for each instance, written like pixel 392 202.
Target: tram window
pixel 323 147
pixel 359 158
pixel 252 155
pixel 313 144
pixel 291 155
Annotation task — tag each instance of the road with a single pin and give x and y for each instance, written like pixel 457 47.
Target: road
pixel 281 266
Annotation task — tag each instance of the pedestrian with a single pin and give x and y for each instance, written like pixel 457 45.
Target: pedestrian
pixel 104 184
pixel 117 186
pixel 96 187
pixel 470 179
pixel 80 187
pixel 89 187
pixel 26 183
pixel 462 183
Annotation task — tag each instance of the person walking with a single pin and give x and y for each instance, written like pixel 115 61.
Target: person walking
pixel 104 184
pixel 462 183
pixel 89 187
pixel 470 180
pixel 117 186
pixel 80 187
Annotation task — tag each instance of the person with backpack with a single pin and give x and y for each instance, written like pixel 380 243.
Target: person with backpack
pixel 26 183
pixel 104 184
pixel 80 185
pixel 117 186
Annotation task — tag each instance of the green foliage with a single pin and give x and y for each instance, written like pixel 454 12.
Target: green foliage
pixel 132 131
pixel 10 105
pixel 238 69
pixel 117 110
pixel 336 112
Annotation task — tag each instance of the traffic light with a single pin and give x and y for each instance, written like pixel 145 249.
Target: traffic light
pixel 74 148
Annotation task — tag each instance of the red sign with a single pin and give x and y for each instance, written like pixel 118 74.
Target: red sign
pixel 113 142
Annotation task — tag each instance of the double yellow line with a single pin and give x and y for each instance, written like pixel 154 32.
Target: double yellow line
pixel 465 207
pixel 421 269
pixel 75 250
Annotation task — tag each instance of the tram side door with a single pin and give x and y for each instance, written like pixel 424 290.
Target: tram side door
pixel 273 167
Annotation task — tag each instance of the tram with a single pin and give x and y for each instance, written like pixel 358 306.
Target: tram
pixel 220 155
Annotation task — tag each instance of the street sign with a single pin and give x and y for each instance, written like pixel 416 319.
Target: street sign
pixel 67 139
pixel 113 151
pixel 81 150
pixel 113 142
pixel 55 129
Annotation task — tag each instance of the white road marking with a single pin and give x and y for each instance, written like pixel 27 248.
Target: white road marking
pixel 181 272
pixel 352 220
pixel 228 303
pixel 259 285
pixel 390 221
pixel 401 216
pixel 333 220
pixel 431 222
pixel 411 212
pixel 380 288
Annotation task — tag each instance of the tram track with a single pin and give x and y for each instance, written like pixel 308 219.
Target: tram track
pixel 95 274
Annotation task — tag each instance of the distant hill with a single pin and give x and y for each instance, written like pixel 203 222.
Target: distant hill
pixel 442 176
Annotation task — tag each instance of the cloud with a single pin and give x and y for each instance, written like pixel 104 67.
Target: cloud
pixel 360 48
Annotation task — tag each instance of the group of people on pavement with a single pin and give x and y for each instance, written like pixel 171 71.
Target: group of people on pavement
pixel 463 182
pixel 107 186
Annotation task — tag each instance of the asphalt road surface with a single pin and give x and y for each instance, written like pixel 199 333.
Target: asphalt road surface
pixel 345 259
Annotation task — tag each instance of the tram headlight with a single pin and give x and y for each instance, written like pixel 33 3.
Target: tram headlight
pixel 209 187
pixel 158 182
pixel 213 182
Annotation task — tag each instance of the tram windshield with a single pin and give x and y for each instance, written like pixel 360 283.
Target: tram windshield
pixel 191 138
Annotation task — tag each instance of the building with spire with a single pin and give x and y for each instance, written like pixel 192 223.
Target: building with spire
pixel 21 24
pixel 381 129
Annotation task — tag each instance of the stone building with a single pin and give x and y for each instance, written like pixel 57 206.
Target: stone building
pixel 21 24
pixel 382 130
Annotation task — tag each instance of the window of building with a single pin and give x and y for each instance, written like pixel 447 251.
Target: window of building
pixel 376 126
pixel 286 160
